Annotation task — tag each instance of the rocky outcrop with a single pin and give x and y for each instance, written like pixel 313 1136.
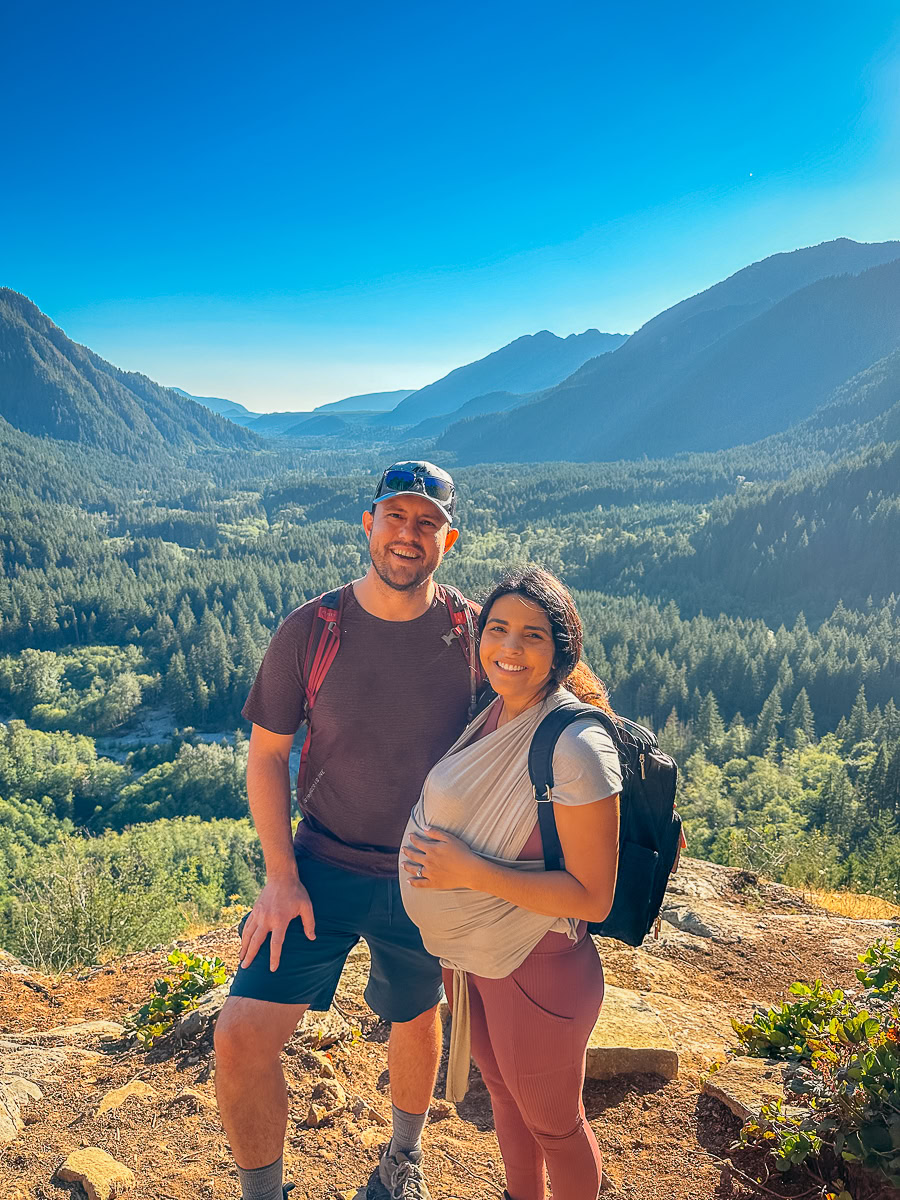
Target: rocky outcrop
pixel 83 1033
pixel 629 1039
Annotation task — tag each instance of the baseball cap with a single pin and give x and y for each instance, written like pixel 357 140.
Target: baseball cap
pixel 421 479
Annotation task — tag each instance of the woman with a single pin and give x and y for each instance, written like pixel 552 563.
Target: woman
pixel 525 978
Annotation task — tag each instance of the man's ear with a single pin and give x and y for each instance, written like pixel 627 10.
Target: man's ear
pixel 450 540
pixel 368 520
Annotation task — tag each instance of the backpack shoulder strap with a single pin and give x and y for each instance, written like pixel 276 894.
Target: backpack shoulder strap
pixel 540 769
pixel 322 645
pixel 462 630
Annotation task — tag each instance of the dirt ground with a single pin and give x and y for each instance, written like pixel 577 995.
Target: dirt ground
pixel 661 1140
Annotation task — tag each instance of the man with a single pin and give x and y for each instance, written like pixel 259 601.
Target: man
pixel 395 697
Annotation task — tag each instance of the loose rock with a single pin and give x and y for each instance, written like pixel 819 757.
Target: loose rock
pixel 745 1084
pixel 98 1173
pixel 135 1088
pixel 316 1116
pixel 196 1022
pixel 196 1099
pixel 372 1136
pixel 15 1093
pixel 687 921
pixel 319 1030
pixel 330 1093
pixel 359 1108
pixel 41 1062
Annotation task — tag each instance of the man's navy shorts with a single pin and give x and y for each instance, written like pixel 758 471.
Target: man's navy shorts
pixel 404 979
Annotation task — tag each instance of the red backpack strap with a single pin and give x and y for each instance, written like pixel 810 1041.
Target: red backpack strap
pixel 462 630
pixel 322 645
pixel 321 651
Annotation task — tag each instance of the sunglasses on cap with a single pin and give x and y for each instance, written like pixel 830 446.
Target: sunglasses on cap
pixel 402 480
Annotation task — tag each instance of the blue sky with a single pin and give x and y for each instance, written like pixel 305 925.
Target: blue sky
pixel 290 203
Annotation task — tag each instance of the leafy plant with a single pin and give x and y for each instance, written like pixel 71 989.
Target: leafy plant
pixel 845 1092
pixel 785 1032
pixel 175 994
pixel 880 970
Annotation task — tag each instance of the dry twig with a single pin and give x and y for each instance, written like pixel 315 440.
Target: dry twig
pixel 475 1175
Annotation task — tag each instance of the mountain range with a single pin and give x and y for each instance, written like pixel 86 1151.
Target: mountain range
pixel 746 358
pixel 225 408
pixel 501 380
pixel 370 402
pixel 529 364
pixel 807 336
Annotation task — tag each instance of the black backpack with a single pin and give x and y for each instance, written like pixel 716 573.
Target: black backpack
pixel 650 835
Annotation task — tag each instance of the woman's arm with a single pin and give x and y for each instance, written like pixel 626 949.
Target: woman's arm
pixel 589 836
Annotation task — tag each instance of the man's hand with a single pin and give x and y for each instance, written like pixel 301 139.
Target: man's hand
pixel 279 902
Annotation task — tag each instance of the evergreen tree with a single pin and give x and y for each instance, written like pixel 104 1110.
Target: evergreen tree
pixel 875 785
pixel 858 724
pixel 839 804
pixel 768 726
pixel 892 783
pixel 709 728
pixel 800 729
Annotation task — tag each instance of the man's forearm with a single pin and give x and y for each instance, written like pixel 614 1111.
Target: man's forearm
pixel 269 793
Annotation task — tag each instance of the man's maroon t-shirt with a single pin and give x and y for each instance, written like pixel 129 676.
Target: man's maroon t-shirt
pixel 394 700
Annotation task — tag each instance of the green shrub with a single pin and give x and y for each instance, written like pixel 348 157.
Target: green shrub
pixel 79 904
pixel 845 1091
pixel 785 1032
pixel 175 994
pixel 880 970
pixel 79 900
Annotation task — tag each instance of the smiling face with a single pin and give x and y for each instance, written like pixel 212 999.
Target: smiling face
pixel 517 650
pixel 408 537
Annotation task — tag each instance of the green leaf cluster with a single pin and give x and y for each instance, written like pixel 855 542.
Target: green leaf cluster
pixel 845 1091
pixel 791 1030
pixel 880 970
pixel 174 995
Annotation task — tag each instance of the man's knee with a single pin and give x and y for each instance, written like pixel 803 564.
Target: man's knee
pixel 250 1033
pixel 422 1025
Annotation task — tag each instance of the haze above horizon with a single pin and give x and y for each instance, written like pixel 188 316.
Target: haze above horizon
pixel 308 204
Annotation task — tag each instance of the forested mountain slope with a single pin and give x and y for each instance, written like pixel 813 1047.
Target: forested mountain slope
pixel 51 386
pixel 749 357
pixel 821 538
pixel 528 364
pixel 493 402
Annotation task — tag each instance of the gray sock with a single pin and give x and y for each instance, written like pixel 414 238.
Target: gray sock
pixel 407 1131
pixel 262 1183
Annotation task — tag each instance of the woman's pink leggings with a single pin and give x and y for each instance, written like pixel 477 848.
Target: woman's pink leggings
pixel 529 1034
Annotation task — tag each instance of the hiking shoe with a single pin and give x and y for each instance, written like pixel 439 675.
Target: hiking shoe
pixel 288 1187
pixel 398 1176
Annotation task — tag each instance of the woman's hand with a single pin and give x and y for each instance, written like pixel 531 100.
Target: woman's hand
pixel 438 860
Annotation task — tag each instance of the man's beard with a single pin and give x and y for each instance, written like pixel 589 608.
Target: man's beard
pixel 408 583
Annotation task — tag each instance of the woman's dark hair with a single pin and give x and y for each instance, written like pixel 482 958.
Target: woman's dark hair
pixel 551 594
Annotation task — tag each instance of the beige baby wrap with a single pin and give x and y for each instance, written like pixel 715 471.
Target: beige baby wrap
pixel 480 791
